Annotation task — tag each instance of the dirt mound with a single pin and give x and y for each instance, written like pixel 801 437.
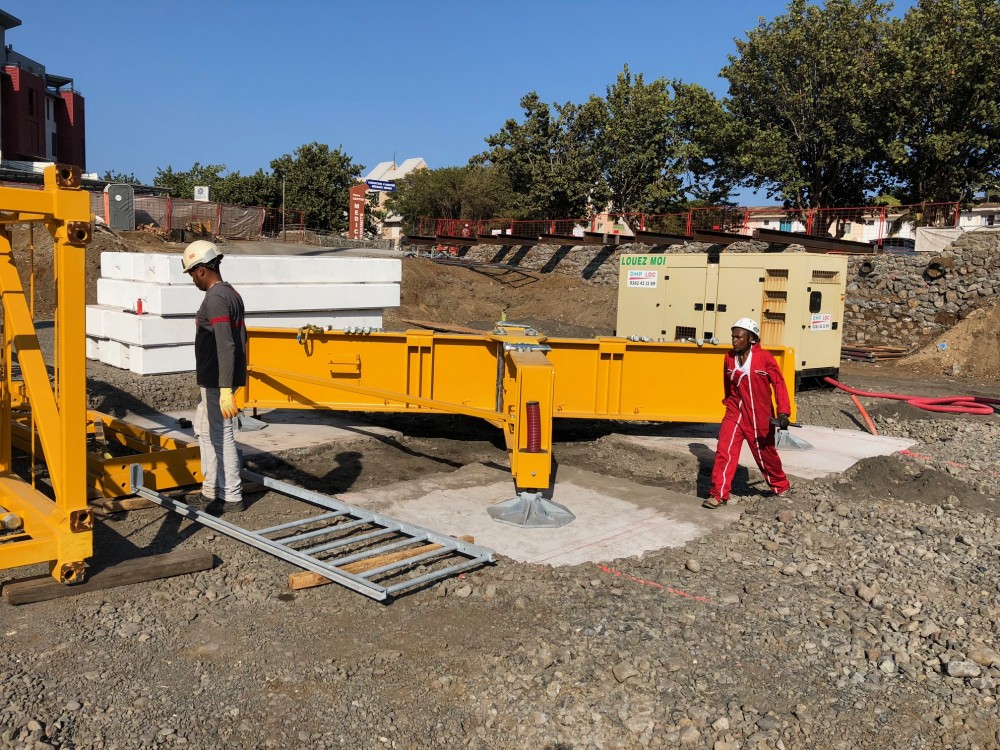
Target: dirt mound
pixel 24 237
pixel 970 348
pixel 476 296
pixel 896 478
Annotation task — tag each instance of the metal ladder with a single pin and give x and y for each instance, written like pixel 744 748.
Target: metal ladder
pixel 342 528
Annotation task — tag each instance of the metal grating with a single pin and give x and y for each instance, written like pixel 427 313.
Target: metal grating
pixel 341 535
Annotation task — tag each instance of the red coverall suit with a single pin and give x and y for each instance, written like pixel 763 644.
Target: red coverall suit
pixel 748 417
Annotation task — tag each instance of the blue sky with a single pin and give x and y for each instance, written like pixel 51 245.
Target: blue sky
pixel 240 83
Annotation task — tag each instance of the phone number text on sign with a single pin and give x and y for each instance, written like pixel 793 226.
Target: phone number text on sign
pixel 641 278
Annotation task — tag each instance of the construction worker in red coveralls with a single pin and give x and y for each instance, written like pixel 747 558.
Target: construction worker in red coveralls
pixel 750 375
pixel 220 348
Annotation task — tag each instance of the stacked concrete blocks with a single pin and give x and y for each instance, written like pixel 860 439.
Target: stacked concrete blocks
pixel 278 291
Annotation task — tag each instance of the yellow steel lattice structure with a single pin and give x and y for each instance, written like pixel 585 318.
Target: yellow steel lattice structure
pixel 496 377
pixel 57 529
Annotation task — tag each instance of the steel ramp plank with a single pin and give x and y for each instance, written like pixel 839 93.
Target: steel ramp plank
pixel 350 540
pixel 475 555
pixel 326 530
pixel 377 551
pixel 433 576
pixel 326 501
pixel 300 522
pixel 406 561
pixel 263 543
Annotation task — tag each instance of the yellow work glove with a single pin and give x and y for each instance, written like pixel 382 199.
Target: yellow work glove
pixel 227 403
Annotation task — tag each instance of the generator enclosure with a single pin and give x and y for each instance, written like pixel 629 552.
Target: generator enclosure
pixel 798 298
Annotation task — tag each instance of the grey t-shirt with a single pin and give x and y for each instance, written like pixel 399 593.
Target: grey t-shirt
pixel 220 343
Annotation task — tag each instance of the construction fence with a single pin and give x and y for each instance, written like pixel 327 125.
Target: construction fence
pixel 204 217
pixel 870 224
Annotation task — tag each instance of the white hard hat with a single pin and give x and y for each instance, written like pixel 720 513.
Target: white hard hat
pixel 748 324
pixel 199 253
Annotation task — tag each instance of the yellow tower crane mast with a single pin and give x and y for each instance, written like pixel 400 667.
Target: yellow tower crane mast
pixel 55 527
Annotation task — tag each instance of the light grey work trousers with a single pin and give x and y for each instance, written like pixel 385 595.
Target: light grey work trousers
pixel 220 457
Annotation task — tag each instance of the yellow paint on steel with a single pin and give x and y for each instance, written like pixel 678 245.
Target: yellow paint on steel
pixel 411 371
pixel 614 378
pixel 529 377
pixel 166 462
pixel 492 376
pixel 57 531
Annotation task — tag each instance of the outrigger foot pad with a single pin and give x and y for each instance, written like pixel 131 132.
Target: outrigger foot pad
pixel 531 511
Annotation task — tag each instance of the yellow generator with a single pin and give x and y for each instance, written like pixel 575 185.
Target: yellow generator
pixel 797 297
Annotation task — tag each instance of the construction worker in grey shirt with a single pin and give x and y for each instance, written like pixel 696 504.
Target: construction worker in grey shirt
pixel 220 347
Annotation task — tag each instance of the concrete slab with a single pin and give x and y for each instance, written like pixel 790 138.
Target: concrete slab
pixel 93 348
pixel 163 299
pixel 615 518
pixel 118 265
pixel 113 353
pixel 159 360
pixel 165 268
pixel 834 450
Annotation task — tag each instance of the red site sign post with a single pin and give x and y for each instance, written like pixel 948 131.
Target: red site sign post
pixel 356 212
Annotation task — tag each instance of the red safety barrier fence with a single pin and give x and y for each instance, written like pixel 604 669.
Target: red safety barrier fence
pixel 718 219
pixel 487 227
pixel 859 224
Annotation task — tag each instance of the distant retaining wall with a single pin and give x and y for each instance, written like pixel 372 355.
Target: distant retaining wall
pixel 892 300
pixel 900 302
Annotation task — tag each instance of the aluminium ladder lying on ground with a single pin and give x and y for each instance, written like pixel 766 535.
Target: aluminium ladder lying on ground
pixel 343 528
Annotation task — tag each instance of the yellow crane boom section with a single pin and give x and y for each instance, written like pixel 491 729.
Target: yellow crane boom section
pixel 513 379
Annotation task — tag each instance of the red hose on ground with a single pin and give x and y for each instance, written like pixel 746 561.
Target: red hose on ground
pixel 946 404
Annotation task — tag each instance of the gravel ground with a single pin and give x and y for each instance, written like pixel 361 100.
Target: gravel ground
pixel 861 613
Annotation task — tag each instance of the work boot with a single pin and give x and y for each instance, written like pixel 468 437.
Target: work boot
pixel 198 501
pixel 219 508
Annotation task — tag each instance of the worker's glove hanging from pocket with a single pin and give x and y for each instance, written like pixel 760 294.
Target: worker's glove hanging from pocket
pixel 228 404
pixel 782 421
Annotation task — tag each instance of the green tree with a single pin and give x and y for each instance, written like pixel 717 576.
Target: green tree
pixel 635 145
pixel 120 178
pixel 944 140
pixel 705 145
pixel 804 90
pixel 257 189
pixel 470 192
pixel 317 181
pixel 549 160
pixel 182 184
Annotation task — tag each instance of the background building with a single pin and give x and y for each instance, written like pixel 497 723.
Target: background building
pixel 381 181
pixel 41 114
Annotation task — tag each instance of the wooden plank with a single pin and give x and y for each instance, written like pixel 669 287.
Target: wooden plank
pixel 123 504
pixel 138 570
pixel 306 579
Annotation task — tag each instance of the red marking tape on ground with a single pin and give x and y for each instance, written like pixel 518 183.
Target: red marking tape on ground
pixel 907 452
pixel 654 584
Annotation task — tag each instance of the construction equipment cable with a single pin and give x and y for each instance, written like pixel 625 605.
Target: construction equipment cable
pixel 978 405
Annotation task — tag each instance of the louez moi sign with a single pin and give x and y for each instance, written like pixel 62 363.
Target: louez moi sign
pixel 381 186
